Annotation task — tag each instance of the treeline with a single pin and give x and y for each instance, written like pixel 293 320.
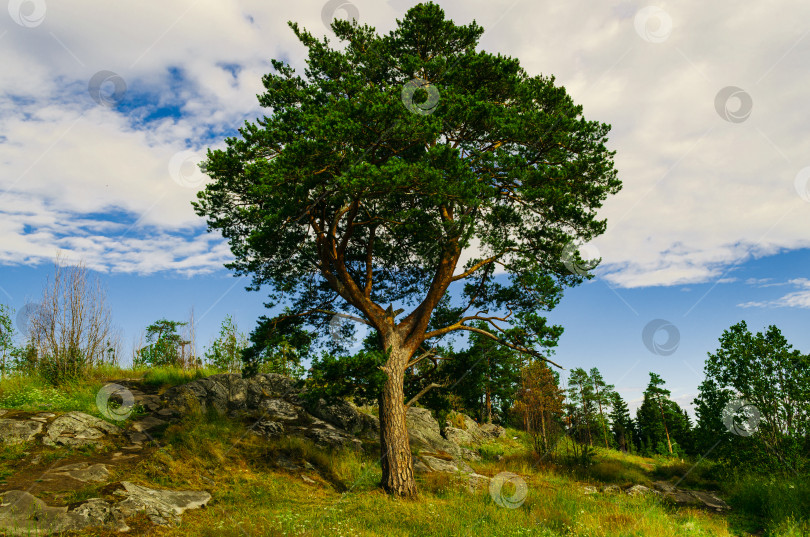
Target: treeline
pixel 69 333
pixel 752 410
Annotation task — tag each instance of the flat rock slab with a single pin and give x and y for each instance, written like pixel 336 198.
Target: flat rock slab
pixel 147 423
pixel 19 431
pixel 162 506
pixel 78 429
pixel 22 513
pixel 436 464
pixel 82 471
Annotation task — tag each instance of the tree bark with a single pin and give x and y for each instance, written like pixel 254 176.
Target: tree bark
pixel 396 459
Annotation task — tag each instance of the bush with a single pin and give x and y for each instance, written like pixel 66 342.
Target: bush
pixel 774 501
pixel 62 367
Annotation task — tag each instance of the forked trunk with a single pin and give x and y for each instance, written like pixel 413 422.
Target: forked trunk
pixel 395 449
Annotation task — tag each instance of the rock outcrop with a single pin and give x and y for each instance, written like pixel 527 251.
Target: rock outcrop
pixel 668 492
pixel 72 429
pixel 22 513
pixel 77 429
pixel 275 406
pixel 270 405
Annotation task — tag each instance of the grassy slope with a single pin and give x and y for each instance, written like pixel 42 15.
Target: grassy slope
pixel 253 496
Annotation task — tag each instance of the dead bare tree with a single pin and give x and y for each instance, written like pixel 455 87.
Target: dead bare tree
pixel 72 328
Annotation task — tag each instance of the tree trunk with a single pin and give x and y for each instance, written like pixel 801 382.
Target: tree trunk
pixel 489 406
pixel 543 426
pixel 666 430
pixel 396 460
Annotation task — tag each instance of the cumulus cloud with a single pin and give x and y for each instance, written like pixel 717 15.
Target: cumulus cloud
pixel 702 193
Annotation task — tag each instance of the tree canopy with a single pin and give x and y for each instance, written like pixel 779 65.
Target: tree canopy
pixel 379 167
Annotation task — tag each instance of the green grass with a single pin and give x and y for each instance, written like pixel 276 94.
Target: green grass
pixel 31 393
pixel 9 456
pixel 253 495
pixel 777 503
pixel 164 377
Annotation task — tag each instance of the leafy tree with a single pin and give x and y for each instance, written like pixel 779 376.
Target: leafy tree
pixel 539 401
pixel 165 343
pixel 482 375
pixel 7 348
pixel 762 374
pixel 358 376
pixel 381 165
pixel 225 352
pixel 710 434
pixel 622 425
pixel 603 396
pixel 277 346
pixel 582 405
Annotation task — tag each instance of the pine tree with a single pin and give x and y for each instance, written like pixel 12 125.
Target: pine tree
pixel 582 409
pixel 622 425
pixel 603 394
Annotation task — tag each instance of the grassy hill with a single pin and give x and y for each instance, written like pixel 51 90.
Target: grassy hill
pixel 291 487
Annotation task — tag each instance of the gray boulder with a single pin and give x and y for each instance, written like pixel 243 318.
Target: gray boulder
pixel 78 429
pixel 19 431
pixel 424 433
pixel 343 415
pixel 640 490
pixel 278 410
pixel 162 506
pixel 491 430
pixel 458 436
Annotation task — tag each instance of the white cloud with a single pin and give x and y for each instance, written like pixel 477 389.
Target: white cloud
pixel 700 195
pixel 795 299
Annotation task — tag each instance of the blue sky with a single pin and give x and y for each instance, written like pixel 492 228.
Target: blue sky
pixel 709 116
